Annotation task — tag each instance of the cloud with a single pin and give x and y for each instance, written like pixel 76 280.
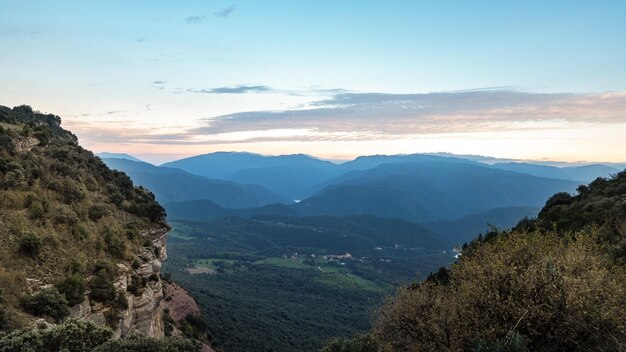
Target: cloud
pixel 378 114
pixel 219 14
pixel 225 12
pixel 357 117
pixel 240 89
pixel 195 19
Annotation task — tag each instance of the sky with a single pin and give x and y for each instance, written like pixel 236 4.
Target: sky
pixel 522 79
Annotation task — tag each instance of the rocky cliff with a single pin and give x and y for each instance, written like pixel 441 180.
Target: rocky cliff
pixel 76 238
pixel 144 314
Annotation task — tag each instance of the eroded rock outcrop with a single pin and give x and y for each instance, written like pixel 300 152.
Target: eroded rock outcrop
pixel 144 314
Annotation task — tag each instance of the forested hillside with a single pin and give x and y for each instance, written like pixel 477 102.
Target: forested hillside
pixel 77 239
pixel 557 283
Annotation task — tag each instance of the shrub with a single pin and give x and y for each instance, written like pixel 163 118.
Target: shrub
pixel 73 288
pixel 30 244
pixel 148 344
pixel 526 291
pixel 97 212
pixel 71 336
pixel 36 211
pixel 101 285
pixel 47 302
pixel 3 318
pixel 63 215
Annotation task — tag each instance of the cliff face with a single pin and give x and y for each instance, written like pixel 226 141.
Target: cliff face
pixel 72 230
pixel 144 314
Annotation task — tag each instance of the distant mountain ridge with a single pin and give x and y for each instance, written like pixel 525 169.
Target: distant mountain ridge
pixel 171 185
pixel 107 155
pixel 432 191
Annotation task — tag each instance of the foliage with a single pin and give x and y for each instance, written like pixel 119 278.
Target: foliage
pixel 73 288
pixel 259 300
pixel 47 302
pixel 602 204
pixel 63 206
pixel 359 343
pixel 537 289
pixel 30 244
pixel 147 344
pixel 101 285
pixel 3 314
pixel 82 336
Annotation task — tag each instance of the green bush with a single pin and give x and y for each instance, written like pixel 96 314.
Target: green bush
pixel 36 211
pixel 73 288
pixel 71 336
pixel 101 285
pixel 30 244
pixel 147 344
pixel 47 302
pixel 97 212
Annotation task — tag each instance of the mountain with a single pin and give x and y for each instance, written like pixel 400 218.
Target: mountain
pixel 466 229
pixel 285 175
pixel 80 246
pixel 205 210
pixel 430 191
pixel 172 185
pixel 107 155
pixel 586 173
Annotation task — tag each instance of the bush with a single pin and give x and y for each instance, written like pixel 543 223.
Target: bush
pixel 3 318
pixel 97 212
pixel 47 302
pixel 101 285
pixel 30 244
pixel 36 211
pixel 73 288
pixel 148 344
pixel 526 291
pixel 71 336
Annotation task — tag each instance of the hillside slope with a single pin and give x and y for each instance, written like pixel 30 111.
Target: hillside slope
pixel 557 283
pixel 77 239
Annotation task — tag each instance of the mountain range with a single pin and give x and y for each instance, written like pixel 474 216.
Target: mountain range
pixel 452 195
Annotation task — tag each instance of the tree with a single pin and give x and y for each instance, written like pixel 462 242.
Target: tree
pixel 47 302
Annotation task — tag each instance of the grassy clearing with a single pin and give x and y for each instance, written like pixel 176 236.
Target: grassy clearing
pixel 10 126
pixel 284 262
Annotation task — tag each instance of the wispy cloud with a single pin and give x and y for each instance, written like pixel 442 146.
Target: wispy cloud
pixel 196 19
pixel 366 117
pixel 225 12
pixel 240 89
pixel 416 114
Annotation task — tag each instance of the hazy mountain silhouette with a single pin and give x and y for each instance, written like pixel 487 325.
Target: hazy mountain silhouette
pixel 286 175
pixel 171 185
pixel 430 191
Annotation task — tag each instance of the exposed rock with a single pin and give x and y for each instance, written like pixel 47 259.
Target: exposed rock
pixel 144 314
pixel 179 303
pixel 24 144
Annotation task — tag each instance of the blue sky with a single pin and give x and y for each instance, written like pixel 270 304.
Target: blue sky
pixel 164 79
